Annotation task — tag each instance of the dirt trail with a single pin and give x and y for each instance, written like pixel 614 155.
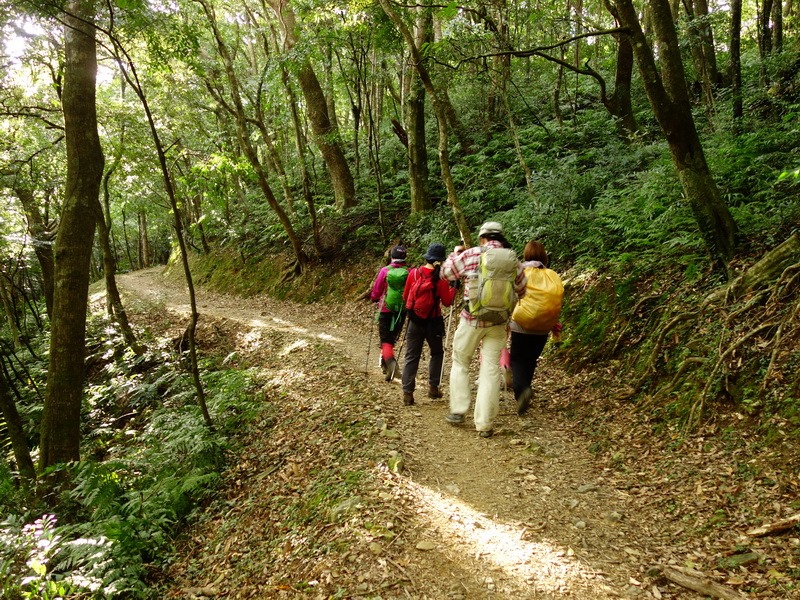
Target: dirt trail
pixel 528 513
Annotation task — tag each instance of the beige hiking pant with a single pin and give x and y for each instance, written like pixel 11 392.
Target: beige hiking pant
pixel 465 342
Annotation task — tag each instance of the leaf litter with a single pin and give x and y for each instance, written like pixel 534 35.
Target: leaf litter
pixel 583 497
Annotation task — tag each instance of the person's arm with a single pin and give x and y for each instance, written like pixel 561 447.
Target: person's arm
pixel 446 292
pixel 456 265
pixel 412 277
pixel 379 288
pixel 521 282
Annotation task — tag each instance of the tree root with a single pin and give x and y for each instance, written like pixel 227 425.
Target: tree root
pixel 658 345
pixel 697 407
pixel 633 312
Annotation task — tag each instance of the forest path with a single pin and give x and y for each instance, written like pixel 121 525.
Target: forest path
pixel 528 513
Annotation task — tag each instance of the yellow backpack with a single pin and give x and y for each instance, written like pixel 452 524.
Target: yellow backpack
pixel 540 307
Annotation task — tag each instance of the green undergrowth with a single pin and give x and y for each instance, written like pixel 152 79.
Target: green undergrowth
pixel 150 464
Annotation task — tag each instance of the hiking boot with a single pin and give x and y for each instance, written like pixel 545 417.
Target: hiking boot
pixel 524 401
pixel 454 419
pixel 391 367
pixel 408 398
pixel 487 433
pixel 434 392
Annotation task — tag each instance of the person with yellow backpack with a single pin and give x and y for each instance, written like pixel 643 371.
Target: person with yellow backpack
pixel 536 315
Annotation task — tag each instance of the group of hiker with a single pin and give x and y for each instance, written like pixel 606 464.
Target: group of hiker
pixel 500 294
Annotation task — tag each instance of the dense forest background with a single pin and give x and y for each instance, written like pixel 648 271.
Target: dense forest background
pixel 283 147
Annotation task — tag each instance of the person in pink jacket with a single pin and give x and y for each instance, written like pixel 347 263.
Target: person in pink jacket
pixel 388 292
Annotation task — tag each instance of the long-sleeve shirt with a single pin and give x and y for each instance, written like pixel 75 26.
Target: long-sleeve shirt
pixel 459 266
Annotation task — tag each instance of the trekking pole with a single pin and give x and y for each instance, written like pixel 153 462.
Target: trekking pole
pixel 446 338
pixel 375 320
pixel 400 349
pixel 369 343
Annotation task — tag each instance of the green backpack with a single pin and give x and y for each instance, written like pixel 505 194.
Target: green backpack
pixel 395 282
pixel 491 289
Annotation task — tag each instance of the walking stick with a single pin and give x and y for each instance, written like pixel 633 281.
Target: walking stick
pixel 446 338
pixel 390 376
pixel 369 341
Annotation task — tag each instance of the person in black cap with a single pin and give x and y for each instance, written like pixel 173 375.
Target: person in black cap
pixel 388 291
pixel 424 294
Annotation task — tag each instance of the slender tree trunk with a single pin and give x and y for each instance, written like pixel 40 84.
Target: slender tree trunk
pixel 128 70
pixel 736 61
pixel 526 169
pixel 9 308
pixel 305 176
pixel 60 428
pixel 145 259
pixel 326 135
pixel 440 110
pixel 15 429
pixel 42 238
pixel 418 172
pixel 669 98
pixel 245 142
pixel 112 291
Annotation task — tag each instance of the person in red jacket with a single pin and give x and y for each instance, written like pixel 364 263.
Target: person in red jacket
pixel 424 294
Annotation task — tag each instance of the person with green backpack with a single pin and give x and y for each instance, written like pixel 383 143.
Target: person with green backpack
pixel 388 292
pixel 494 280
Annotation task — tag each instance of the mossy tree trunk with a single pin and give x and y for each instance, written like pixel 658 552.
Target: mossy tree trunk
pixel 60 427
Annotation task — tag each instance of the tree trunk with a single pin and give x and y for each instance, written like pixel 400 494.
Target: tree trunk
pixel 128 70
pixel 16 429
pixel 669 98
pixel 440 110
pixel 144 242
pixel 777 26
pixel 418 173
pixel 701 43
pixel 10 308
pixel 42 237
pixel 245 142
pixel 112 291
pixel 736 61
pixel 326 135
pixel 305 176
pixel 620 104
pixel 60 428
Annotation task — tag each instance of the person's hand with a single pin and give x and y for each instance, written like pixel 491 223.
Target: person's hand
pixel 459 249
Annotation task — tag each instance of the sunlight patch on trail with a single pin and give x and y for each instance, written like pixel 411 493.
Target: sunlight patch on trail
pixel 535 566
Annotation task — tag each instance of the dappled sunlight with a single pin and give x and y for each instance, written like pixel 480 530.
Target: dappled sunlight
pixel 514 557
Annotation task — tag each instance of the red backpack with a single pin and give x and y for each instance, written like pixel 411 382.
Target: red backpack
pixel 422 299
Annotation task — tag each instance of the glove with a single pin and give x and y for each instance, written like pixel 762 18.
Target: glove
pixel 456 284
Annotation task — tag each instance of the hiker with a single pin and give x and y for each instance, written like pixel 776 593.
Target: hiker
pixel 494 281
pixel 425 291
pixel 532 321
pixel 388 292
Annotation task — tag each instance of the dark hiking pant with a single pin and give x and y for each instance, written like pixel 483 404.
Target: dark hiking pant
pixel 526 348
pixel 418 332
pixel 390 324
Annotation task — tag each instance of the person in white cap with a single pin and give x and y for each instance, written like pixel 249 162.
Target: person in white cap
pixel 476 328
